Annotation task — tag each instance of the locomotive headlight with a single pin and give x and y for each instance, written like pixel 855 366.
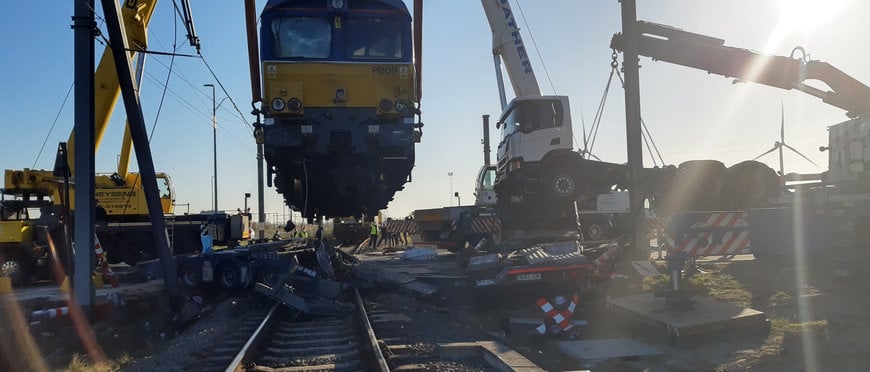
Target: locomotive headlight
pixel 385 105
pixel 294 105
pixel 402 106
pixel 278 104
pixel 337 4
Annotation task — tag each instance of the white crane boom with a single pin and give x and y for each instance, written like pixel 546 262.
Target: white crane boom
pixel 507 43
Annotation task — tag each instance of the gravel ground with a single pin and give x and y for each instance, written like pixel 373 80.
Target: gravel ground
pixel 190 347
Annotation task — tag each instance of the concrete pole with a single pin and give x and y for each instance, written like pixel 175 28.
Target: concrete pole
pixel 633 132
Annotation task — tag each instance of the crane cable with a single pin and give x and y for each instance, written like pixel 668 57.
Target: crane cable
pixel 596 121
pixel 646 133
pixel 53 123
pixel 537 50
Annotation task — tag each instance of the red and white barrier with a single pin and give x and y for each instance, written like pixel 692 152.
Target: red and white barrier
pixel 562 319
pixel 734 236
pixel 50 313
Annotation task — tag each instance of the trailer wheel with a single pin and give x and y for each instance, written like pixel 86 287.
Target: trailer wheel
pixel 594 232
pixel 699 185
pixel 190 276
pixel 16 266
pixel 268 275
pixel 230 277
pixel 751 184
pixel 562 185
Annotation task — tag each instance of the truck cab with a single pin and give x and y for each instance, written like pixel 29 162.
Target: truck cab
pixel 484 189
pixel 536 136
pixel 23 251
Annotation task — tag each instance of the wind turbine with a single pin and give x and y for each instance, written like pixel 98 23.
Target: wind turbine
pixel 778 145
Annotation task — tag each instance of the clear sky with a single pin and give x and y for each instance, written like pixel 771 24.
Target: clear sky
pixel 692 115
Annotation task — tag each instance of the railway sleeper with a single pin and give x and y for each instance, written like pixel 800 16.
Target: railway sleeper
pixel 294 336
pixel 311 353
pixel 312 341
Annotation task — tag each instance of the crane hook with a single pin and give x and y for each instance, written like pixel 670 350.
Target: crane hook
pixel 803 51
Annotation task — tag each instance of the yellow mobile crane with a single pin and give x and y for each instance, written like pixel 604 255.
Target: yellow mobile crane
pixel 120 197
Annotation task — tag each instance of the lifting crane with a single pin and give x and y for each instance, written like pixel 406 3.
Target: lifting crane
pixel 673 45
pixel 536 158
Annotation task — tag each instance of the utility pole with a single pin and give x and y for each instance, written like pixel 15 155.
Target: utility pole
pixel 630 65
pixel 214 131
pixel 85 201
pixel 139 135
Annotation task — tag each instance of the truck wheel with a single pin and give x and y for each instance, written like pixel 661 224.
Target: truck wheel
pixel 594 232
pixel 268 275
pixel 562 185
pixel 699 185
pixel 190 276
pixel 230 277
pixel 751 184
pixel 16 266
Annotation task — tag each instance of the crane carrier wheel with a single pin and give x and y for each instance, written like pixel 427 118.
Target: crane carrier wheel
pixel 15 264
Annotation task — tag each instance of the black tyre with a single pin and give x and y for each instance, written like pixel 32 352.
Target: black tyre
pixel 229 277
pixel 268 275
pixel 16 266
pixel 751 184
pixel 562 185
pixel 699 185
pixel 190 276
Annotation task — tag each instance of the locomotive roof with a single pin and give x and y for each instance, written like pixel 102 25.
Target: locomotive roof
pixel 353 4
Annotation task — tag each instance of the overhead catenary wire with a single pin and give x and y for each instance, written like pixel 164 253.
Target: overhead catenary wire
pixel 223 89
pixel 202 94
pixel 168 75
pixel 196 110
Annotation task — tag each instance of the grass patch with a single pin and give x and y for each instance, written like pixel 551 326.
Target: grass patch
pixel 81 363
pixel 784 325
pixel 713 283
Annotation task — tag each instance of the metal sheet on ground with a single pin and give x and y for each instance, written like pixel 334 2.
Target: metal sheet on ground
pixel 587 350
pixel 645 268
pixel 706 315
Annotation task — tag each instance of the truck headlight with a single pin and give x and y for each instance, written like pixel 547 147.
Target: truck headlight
pixel 278 104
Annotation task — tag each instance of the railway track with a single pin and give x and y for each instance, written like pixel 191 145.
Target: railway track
pixel 288 341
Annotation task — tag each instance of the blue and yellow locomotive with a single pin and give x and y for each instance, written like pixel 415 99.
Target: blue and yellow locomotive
pixel 340 102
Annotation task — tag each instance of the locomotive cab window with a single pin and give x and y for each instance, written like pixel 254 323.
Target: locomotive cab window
pixel 301 37
pixel 373 38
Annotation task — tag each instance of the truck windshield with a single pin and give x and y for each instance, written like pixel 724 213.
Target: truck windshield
pixel 529 116
pixel 164 188
pixel 373 38
pixel 301 37
pixel 488 179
